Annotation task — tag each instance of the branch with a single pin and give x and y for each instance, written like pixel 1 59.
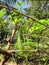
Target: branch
pixel 37 50
pixel 9 43
pixel 9 52
pixel 16 10
pixel 5 52
pixel 7 55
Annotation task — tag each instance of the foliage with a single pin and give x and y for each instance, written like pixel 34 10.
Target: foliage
pixel 30 36
pixel 2 13
pixel 38 9
pixel 19 44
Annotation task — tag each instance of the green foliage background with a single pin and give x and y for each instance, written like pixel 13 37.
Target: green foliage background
pixel 30 36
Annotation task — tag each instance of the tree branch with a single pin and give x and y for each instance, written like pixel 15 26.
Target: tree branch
pixel 16 10
pixel 9 52
pixel 5 52
pixel 9 43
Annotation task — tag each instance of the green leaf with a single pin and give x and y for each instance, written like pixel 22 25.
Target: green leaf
pixel 19 3
pixel 15 19
pixel 2 13
pixel 19 44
